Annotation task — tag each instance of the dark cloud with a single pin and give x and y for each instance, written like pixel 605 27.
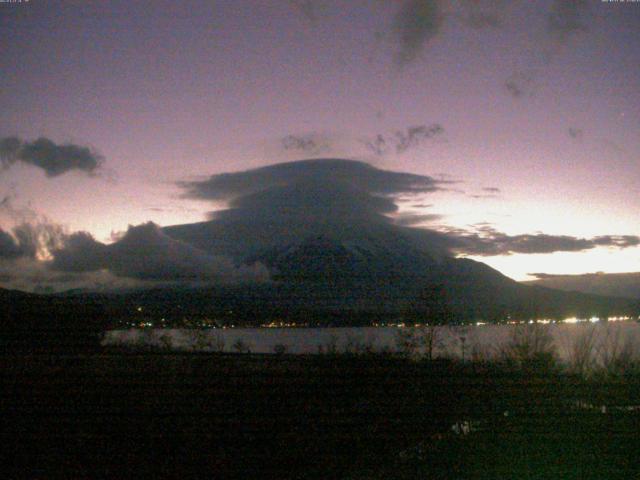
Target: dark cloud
pixel 520 84
pixel 416 23
pixel 491 189
pixel 486 241
pixel 350 173
pixel 566 18
pixel 5 202
pixel 414 135
pixel 377 145
pixel 145 252
pixel 53 159
pixel 316 199
pixel 310 144
pixel 619 241
pixel 402 141
pixel 346 200
pixel 81 253
pixel 576 133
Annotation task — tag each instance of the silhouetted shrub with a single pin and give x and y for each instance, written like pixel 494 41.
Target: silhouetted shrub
pixel 280 348
pixel 330 347
pixel 407 341
pixel 241 346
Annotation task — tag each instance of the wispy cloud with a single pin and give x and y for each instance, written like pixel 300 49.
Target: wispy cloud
pixel 521 84
pixel 402 141
pixel 307 144
pixel 487 192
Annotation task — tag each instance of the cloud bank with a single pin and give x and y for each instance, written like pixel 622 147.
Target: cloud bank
pixel 490 242
pixel 346 200
pixel 145 252
pixel 275 207
pixel 31 240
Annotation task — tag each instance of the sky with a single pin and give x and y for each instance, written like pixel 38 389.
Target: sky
pixel 522 115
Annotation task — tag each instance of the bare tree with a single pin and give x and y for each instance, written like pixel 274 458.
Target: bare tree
pixel 530 345
pixel 581 354
pixel 616 351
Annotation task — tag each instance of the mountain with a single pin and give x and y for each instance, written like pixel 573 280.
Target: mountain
pixel 626 285
pixel 325 231
pixel 317 281
pixel 37 323
pixel 322 280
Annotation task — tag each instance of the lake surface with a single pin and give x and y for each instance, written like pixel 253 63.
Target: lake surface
pixel 485 341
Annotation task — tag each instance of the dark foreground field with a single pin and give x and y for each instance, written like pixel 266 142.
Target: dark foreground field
pixel 331 416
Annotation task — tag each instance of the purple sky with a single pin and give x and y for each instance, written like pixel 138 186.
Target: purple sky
pixel 538 100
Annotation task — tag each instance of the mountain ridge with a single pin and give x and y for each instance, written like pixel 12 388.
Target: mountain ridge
pixel 625 285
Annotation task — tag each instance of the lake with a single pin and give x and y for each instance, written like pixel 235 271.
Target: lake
pixel 601 339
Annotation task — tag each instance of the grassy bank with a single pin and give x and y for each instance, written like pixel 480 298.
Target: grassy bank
pixel 320 416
